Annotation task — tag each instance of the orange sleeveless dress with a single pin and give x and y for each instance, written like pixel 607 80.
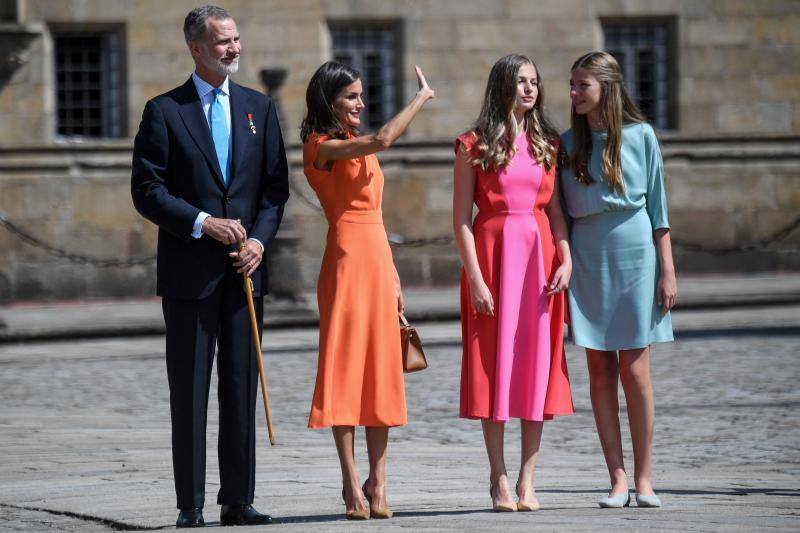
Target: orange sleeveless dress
pixel 360 370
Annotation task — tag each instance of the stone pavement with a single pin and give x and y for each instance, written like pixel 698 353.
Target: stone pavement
pixel 84 435
pixel 82 319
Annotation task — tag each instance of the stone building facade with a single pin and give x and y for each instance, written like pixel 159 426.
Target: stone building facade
pixel 720 77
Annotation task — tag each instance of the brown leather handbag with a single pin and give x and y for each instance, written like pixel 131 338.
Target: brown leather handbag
pixel 413 354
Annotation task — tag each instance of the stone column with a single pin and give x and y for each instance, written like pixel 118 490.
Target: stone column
pixel 282 260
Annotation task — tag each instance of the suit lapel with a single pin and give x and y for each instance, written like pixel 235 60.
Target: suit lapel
pixel 191 112
pixel 240 129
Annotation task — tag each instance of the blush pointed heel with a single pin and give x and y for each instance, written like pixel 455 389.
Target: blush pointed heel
pixel 376 512
pixel 530 507
pixel 355 514
pixel 500 507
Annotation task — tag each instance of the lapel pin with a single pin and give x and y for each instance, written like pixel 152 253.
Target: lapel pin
pixel 250 120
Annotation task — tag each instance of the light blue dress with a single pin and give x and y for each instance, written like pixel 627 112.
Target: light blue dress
pixel 612 293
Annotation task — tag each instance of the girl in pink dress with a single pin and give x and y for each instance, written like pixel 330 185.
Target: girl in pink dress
pixel 515 271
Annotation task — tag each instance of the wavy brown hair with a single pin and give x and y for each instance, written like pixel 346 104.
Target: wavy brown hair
pixel 496 127
pixel 616 109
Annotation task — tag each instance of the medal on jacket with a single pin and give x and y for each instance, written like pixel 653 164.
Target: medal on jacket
pixel 250 120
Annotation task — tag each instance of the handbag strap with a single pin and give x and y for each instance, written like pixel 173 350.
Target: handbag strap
pixel 403 319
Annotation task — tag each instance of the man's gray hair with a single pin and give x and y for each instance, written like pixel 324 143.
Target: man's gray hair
pixel 194 26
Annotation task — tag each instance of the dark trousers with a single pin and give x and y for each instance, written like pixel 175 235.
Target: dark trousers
pixel 194 329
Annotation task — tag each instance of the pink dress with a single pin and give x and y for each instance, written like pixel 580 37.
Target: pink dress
pixel 513 362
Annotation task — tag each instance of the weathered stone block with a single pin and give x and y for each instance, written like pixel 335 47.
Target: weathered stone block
pixel 779 86
pixel 144 37
pixel 704 61
pixel 718 31
pixel 6 287
pixel 731 89
pixel 425 35
pixel 758 116
pixel 99 202
pixel 579 9
pixel 717 222
pixel 568 33
pixel 458 9
pixel 12 201
pixel 744 8
pixel 356 9
pixel 698 118
pixel 764 224
pixel 503 36
pixel 778 31
pixel 470 67
pixel 142 238
pixel 412 269
pixel 445 268
pixel 268 12
pixel 440 195
pixel 787 187
pixel 708 186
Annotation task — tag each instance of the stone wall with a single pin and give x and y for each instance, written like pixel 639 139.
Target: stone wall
pixel 738 61
pixel 76 199
pixel 733 162
pixel 724 192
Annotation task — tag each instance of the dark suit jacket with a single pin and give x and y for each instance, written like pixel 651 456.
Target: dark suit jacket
pixel 176 175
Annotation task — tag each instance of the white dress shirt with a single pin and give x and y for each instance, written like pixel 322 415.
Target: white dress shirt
pixel 206 93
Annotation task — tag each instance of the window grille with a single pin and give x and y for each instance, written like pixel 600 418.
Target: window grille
pixel 88 84
pixel 646 53
pixel 371 48
pixel 8 11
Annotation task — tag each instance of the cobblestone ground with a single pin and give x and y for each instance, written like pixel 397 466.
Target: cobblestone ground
pixel 84 436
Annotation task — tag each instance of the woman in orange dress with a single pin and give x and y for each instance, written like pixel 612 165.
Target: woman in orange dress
pixel 359 373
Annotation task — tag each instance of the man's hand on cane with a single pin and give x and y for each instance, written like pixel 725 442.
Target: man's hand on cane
pixel 247 258
pixel 224 230
pixel 231 231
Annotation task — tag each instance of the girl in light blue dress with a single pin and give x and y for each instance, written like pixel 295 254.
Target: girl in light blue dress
pixel 623 281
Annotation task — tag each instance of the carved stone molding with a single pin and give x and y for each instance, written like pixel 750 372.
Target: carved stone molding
pixel 14 41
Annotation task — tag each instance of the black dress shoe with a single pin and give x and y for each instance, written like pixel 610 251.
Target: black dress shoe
pixel 242 515
pixel 190 518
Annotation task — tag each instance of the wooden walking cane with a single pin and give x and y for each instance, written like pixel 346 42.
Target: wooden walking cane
pixel 248 290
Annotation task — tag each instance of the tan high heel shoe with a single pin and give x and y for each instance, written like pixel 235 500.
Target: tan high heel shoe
pixel 375 512
pixel 529 507
pixel 500 507
pixel 355 514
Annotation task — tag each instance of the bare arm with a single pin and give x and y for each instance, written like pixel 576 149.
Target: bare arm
pixel 667 291
pixel 336 149
pixel 398 289
pixel 558 225
pixel 463 199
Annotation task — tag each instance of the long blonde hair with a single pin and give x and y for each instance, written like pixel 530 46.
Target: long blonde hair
pixel 496 127
pixel 616 109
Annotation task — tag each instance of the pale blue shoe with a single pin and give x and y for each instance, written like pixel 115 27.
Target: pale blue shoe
pixel 615 502
pixel 647 500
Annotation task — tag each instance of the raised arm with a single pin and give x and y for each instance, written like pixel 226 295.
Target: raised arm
pixel 463 198
pixel 336 149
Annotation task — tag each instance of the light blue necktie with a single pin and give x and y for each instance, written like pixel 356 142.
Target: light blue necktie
pixel 220 134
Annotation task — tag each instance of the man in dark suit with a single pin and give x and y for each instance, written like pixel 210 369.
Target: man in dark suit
pixel 209 169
